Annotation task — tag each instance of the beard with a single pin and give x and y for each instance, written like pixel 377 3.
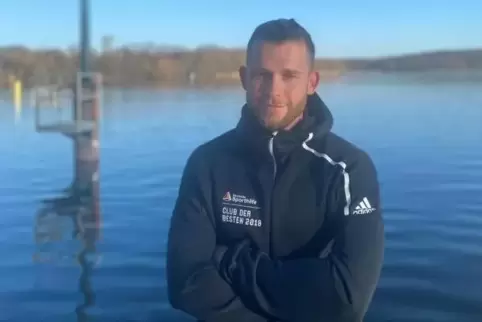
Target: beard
pixel 276 116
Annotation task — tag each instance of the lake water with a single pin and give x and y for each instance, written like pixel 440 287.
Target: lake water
pixel 426 141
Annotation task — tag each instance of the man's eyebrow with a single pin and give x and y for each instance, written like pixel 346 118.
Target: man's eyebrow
pixel 291 72
pixel 285 71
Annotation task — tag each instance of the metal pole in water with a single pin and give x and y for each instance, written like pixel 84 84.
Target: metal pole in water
pixel 81 203
pixel 86 107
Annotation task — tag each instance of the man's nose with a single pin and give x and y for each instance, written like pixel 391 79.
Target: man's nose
pixel 273 86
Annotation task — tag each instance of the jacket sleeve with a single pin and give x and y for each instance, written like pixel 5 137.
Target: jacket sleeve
pixel 193 283
pixel 338 285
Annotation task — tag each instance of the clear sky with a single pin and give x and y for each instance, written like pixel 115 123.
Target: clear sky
pixel 339 28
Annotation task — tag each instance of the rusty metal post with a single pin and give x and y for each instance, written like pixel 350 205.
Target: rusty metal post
pixel 82 200
pixel 87 143
pixel 86 108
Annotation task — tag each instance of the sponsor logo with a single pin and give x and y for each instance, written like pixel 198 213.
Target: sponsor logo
pixel 239 199
pixel 238 209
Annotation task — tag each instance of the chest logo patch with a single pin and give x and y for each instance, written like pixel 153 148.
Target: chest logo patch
pixel 238 209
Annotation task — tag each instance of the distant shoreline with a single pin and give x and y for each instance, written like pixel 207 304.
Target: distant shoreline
pixel 204 67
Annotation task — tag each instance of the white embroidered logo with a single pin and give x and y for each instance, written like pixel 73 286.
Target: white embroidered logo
pixel 363 208
pixel 237 209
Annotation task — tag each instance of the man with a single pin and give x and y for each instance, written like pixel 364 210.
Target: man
pixel 278 219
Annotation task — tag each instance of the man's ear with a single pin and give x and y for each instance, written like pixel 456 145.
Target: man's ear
pixel 243 76
pixel 313 81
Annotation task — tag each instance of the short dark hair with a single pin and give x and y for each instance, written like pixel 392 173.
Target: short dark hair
pixel 281 30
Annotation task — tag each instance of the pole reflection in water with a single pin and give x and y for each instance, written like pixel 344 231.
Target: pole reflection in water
pixel 74 216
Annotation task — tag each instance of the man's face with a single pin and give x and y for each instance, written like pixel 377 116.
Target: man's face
pixel 277 80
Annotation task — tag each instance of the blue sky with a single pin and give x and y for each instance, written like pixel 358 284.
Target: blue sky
pixel 339 28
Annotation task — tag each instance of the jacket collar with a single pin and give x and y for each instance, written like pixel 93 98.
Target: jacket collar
pixel 317 121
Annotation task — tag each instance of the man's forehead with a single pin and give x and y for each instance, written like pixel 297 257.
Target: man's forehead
pixel 291 54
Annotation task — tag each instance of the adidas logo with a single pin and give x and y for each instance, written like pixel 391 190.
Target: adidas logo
pixel 363 208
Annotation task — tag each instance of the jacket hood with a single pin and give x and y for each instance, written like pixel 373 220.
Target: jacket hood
pixel 317 121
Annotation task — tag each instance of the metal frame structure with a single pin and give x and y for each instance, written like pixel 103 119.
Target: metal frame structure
pixel 80 201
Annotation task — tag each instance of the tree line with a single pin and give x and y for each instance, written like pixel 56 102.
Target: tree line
pixel 127 67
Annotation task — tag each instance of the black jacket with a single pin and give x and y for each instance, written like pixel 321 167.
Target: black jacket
pixel 307 202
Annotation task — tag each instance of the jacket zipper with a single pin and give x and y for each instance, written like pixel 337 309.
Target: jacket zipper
pixel 275 169
pixel 271 151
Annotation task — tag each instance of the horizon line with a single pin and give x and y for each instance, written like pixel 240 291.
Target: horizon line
pixel 177 48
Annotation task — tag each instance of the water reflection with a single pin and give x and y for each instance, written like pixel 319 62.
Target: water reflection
pixel 75 217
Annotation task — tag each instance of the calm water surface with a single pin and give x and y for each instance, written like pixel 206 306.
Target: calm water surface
pixel 426 142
